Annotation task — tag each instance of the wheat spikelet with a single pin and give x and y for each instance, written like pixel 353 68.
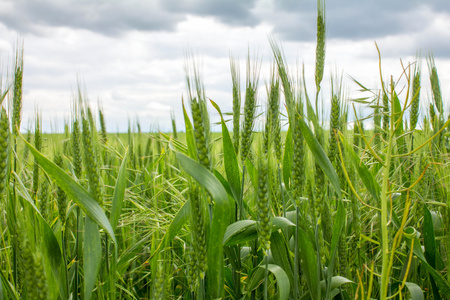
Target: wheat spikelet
pixel 334 128
pixel 17 93
pixel 198 229
pixel 200 134
pixel 174 125
pixel 356 241
pixel 249 109
pixel 103 131
pixel 272 133
pixel 435 86
pixel 26 151
pixel 67 150
pixel 343 254
pixel 285 80
pixel 432 116
pixel 158 287
pixel 148 152
pixel 4 150
pixel 200 117
pixel 32 268
pixel 414 114
pixel 263 204
pixel 76 149
pixel 91 165
pixel 38 146
pixel 61 197
pixel 44 195
pixel 320 46
pixel 235 78
pixel 298 162
pixel 131 144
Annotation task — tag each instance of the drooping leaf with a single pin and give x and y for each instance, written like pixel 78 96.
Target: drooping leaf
pixel 236 228
pixel 320 156
pixel 74 190
pixel 52 248
pixel 336 282
pixel 219 223
pixel 246 230
pixel 177 145
pixel 415 291
pixel 283 283
pixel 229 159
pixel 280 253
pixel 92 253
pixel 364 174
pixel 441 282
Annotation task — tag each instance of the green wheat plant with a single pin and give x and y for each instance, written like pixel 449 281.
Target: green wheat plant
pixel 284 196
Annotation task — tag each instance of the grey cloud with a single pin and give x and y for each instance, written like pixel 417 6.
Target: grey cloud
pixel 357 19
pixel 107 17
pixel 361 20
pixel 115 17
pixel 292 19
pixel 231 12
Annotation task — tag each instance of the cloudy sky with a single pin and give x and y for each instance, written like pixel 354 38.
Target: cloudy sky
pixel 131 55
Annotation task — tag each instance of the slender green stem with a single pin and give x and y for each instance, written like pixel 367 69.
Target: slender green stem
pixel 266 278
pixel 13 204
pixel 77 254
pixel 255 263
pixel 296 260
pixel 241 198
pixel 281 191
pixel 64 252
pixel 239 216
pixel 384 215
pixel 201 289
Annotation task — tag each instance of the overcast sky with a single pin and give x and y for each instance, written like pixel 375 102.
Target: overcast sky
pixel 131 54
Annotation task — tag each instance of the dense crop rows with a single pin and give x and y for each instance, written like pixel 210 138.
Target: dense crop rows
pixel 313 212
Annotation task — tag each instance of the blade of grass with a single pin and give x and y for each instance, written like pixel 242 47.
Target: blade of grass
pixel 92 253
pixel 308 261
pixel 339 223
pixel 230 160
pixel 220 219
pixel 320 156
pixel 245 230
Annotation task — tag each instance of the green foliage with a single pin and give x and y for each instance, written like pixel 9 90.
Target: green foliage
pixel 250 212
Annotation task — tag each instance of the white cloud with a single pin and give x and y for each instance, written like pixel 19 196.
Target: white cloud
pixel 141 72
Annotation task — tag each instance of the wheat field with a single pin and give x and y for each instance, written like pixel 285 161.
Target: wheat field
pixel 305 206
